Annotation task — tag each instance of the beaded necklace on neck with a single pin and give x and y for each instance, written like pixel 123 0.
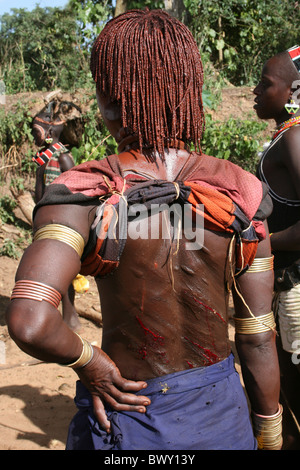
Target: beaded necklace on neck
pixel 285 125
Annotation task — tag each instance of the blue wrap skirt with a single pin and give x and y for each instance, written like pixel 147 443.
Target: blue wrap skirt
pixel 195 409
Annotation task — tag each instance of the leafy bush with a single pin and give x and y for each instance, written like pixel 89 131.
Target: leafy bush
pixel 40 50
pixel 96 141
pixel 15 127
pixel 15 130
pixel 13 248
pixel 7 205
pixel 235 140
pixel 240 35
pixel 10 249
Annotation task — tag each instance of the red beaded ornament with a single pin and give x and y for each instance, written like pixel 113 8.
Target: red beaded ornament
pixel 285 125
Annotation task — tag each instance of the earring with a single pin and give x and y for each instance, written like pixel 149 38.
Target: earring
pixel 291 107
pixel 49 140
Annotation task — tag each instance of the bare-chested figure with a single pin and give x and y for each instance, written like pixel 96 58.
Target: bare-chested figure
pixel 277 96
pixel 164 377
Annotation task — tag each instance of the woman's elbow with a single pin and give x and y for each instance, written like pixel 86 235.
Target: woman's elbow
pixel 25 325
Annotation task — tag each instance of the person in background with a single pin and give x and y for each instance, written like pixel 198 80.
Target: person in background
pixel 53 158
pixel 164 377
pixel 277 97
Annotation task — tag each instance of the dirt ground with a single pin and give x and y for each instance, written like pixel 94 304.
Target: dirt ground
pixel 36 399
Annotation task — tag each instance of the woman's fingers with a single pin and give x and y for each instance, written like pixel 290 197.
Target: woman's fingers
pixel 118 401
pixel 100 413
pixel 113 393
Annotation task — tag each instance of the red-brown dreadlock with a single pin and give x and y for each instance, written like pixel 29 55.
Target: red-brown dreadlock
pixel 149 63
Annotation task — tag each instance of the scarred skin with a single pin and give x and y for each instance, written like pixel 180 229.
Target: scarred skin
pixel 161 312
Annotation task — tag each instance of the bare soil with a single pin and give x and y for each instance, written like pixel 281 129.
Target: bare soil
pixel 36 399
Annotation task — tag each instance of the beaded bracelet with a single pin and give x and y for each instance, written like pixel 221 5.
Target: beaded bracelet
pixel 268 429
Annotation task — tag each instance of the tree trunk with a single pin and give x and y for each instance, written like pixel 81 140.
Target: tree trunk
pixel 221 34
pixel 121 7
pixel 175 8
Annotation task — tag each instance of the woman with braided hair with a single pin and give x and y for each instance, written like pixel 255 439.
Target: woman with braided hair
pixel 167 232
pixel 52 159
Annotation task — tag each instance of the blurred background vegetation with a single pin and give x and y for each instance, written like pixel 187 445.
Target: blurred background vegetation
pixel 49 48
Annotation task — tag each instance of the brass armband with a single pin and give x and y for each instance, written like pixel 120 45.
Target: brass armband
pixel 254 325
pixel 261 264
pixel 268 430
pixel 62 233
pixel 85 356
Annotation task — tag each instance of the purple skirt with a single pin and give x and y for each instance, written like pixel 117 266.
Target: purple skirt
pixel 195 409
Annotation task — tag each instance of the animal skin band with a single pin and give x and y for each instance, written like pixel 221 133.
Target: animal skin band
pixel 261 264
pixel 32 290
pixel 295 56
pixel 63 234
pixel 254 325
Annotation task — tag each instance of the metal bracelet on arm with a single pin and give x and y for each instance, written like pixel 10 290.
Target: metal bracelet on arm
pixel 268 430
pixel 32 290
pixel 63 234
pixel 261 264
pixel 254 325
pixel 85 356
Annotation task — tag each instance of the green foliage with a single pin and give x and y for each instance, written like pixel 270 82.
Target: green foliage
pixel 235 140
pixel 91 16
pixel 151 4
pixel 96 141
pixel 7 205
pixel 10 249
pixel 15 131
pixel 242 34
pixel 15 127
pixel 41 50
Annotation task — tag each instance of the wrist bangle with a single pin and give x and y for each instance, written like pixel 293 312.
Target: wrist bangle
pixel 268 429
pixel 85 356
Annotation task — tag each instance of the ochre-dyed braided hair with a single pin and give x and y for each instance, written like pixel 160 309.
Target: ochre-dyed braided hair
pixel 149 63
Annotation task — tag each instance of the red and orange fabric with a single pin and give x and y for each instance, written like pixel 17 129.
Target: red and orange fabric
pixel 231 198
